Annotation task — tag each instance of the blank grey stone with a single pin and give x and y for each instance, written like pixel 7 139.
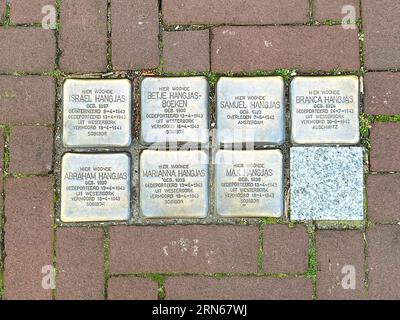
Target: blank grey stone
pixel 326 183
pixel 174 184
pixel 325 110
pixel 174 110
pixel 95 187
pixel 249 183
pixel 251 109
pixel 97 113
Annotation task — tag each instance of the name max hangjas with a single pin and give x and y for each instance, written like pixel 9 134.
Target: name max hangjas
pixel 201 309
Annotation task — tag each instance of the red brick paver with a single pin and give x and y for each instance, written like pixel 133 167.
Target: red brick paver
pixel 28 236
pixel 385 151
pixel 383 193
pixel 2 9
pixel 184 249
pixel 382 34
pixel 384 262
pixel 80 263
pixel 31 150
pixel 27 100
pixel 2 142
pixel 1 185
pixel 28 11
pixel 332 9
pixel 124 288
pixel 246 288
pixel 186 51
pixel 305 48
pixel 37 54
pixel 285 249
pixel 382 93
pixel 235 11
pixel 83 36
pixel 135 31
pixel 340 255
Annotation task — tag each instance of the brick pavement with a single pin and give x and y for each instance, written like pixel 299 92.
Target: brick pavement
pixel 254 259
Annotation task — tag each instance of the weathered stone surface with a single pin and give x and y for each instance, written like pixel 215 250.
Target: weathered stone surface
pixel 186 51
pixel 97 113
pixel 383 192
pixel 235 12
pixel 80 263
pixel 132 288
pixel 340 265
pixel 383 262
pixel 326 183
pixel 174 184
pixel 385 149
pixel 30 11
pixel 325 110
pixel 304 48
pixel 174 110
pixel 382 34
pixel 134 36
pixel 382 93
pixel 179 248
pixel 249 183
pixel 336 10
pixel 83 36
pixel 27 100
pixel 36 55
pixel 28 237
pixel 285 249
pixel 251 110
pixel 240 288
pixel 31 149
pixel 2 142
pixel 95 187
pixel 3 4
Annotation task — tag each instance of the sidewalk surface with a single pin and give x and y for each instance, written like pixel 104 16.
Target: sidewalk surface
pixel 250 259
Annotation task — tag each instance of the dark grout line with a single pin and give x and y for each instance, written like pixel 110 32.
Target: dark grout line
pixel 260 256
pixel 189 27
pixel 28 175
pixel 47 125
pixel 319 225
pixel 5 160
pixel 209 274
pixel 373 223
pixel 57 34
pixel 366 271
pixel 383 70
pixel 109 40
pixel 56 104
pixel 362 65
pixel 54 252
pixel 312 258
pixel 383 173
pixel 210 40
pixel 193 27
pixel 361 39
pixel 106 246
pixel 161 29
pixel 25 25
pixel 311 11
pixel 139 73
